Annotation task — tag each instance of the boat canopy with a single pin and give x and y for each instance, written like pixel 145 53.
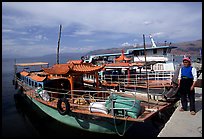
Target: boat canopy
pixel 68 68
pixel 122 57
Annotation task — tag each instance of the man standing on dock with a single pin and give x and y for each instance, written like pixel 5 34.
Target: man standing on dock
pixel 186 81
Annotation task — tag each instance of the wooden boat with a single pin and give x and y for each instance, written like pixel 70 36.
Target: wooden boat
pixel 59 91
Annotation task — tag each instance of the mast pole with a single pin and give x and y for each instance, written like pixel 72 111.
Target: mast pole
pixel 146 70
pixel 59 44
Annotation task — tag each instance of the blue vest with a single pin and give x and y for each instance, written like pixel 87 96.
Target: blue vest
pixel 186 72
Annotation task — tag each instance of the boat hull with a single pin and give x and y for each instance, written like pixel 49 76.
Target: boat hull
pixel 86 122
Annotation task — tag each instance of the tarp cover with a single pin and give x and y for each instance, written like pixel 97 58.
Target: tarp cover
pixel 126 106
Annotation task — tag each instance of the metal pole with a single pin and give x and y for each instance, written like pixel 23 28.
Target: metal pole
pixel 59 44
pixel 146 70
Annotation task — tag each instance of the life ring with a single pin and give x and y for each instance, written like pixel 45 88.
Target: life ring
pixel 60 108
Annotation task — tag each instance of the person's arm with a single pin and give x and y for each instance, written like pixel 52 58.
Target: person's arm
pixel 194 72
pixel 179 77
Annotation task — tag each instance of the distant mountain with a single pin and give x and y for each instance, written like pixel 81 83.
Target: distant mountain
pixel 190 47
pixel 51 58
pixel 65 56
pixel 7 56
pixel 109 51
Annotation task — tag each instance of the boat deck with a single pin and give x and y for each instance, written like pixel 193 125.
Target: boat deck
pixel 147 110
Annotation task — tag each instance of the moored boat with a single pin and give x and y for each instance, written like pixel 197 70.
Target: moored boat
pixel 137 69
pixel 60 92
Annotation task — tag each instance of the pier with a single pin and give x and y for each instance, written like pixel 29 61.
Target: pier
pixel 183 124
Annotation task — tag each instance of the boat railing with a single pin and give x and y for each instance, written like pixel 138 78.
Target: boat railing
pixel 81 98
pixel 139 79
pixel 84 100
pixel 158 57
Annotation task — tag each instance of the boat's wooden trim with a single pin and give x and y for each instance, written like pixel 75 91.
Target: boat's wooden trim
pixel 147 114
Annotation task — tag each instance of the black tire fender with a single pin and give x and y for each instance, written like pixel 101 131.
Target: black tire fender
pixel 59 106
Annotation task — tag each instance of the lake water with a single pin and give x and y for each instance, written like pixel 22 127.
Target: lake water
pixel 22 120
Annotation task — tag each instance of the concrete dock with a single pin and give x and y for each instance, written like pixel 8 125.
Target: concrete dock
pixel 183 124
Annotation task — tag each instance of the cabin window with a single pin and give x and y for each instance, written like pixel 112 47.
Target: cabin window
pixel 29 82
pixel 40 85
pixel 136 53
pixel 35 84
pixel 168 50
pixel 164 51
pixel 154 51
pixel 142 52
pixel 148 67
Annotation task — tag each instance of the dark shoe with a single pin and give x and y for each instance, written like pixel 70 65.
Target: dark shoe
pixel 193 113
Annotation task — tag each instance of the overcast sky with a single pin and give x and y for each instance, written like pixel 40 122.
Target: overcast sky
pixel 31 29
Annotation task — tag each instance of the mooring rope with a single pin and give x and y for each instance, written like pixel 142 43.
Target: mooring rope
pixel 124 130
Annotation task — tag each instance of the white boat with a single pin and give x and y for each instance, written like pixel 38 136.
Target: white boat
pixel 126 71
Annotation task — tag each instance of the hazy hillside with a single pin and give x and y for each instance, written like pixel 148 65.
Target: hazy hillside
pixel 191 47
pixel 51 58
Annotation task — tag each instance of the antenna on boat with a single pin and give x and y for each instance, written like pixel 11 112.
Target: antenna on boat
pixel 152 41
pixel 59 44
pixel 146 70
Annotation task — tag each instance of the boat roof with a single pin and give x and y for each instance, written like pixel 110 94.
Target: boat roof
pixel 72 68
pixel 122 57
pixel 31 64
pixel 135 49
pixel 37 78
pixel 117 65
pixel 150 48
pixel 75 61
pixel 24 73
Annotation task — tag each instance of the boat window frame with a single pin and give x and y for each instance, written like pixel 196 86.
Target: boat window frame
pixel 29 82
pixel 142 52
pixel 32 83
pixel 36 84
pixel 154 51
pixel 165 51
